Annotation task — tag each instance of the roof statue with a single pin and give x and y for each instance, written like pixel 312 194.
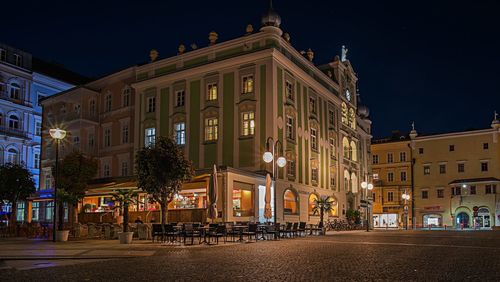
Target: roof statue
pixel 344 53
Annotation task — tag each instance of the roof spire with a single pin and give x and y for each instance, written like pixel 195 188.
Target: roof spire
pixel 271 18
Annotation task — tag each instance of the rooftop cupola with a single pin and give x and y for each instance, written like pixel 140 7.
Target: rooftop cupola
pixel 495 123
pixel 271 21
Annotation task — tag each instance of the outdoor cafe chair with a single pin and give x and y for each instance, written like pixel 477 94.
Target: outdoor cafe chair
pixel 295 229
pixel 287 231
pixel 274 230
pixel 190 231
pixel 156 232
pixel 230 231
pixel 251 231
pixel 171 233
pixel 302 228
pixel 218 232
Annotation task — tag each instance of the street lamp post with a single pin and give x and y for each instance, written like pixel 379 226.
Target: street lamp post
pixel 271 155
pixel 367 187
pixel 406 197
pixel 57 134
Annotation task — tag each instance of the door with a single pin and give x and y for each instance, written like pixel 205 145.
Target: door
pixel 463 220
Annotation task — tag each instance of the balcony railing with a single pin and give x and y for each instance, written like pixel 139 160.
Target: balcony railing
pixel 4 95
pixel 13 132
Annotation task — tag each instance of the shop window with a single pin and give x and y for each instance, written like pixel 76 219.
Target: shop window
pixel 212 91
pixel 189 199
pixel 312 199
pixel 21 207
pixel 243 202
pixel 290 202
pixel 432 220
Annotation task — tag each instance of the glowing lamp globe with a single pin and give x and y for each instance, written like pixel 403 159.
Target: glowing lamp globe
pixel 364 184
pixel 57 133
pixel 370 186
pixel 268 157
pixel 281 161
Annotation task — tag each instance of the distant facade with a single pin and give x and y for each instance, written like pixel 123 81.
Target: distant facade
pixel 221 103
pixel 391 165
pixel 456 178
pixel 25 80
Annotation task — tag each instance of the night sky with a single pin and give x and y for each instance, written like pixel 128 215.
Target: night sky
pixel 434 62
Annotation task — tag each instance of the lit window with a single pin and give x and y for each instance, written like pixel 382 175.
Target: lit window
pixel 151 104
pixel 290 127
pixel 36 160
pixel 290 202
pixel 49 210
pixel 312 105
pixel 314 139
pixel 107 137
pixel 354 151
pixel 347 148
pixel 35 211
pixel 211 129
pixel 247 84
pixel 126 97
pixel 150 137
pixel 427 169
pixel 212 92
pixel 289 91
pixel 18 60
pixel 312 200
pixel 125 134
pixel 352 118
pixel 107 103
pixel 243 201
pixel 248 123
pixel 180 133
pixel 344 114
pixel 38 128
pixel 180 98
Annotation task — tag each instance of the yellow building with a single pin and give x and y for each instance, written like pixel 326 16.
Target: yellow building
pixel 456 177
pixel 391 165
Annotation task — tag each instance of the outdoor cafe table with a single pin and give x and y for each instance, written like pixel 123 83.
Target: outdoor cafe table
pixel 240 229
pixel 204 232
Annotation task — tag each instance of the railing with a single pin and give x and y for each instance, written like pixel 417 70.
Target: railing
pixel 13 132
pixel 4 95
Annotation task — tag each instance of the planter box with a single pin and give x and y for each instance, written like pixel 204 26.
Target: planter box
pixel 125 237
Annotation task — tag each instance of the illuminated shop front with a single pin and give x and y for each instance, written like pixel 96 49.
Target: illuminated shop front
pixel 385 220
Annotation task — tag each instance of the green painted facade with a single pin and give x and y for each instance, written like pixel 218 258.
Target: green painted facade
pixel 165 70
pixel 228 53
pixel 210 154
pixel 263 84
pixel 194 123
pixel 247 155
pixel 228 118
pixel 196 61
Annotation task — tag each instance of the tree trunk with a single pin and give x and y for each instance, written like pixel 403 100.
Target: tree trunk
pixel 164 212
pixel 60 224
pixel 321 218
pixel 125 217
pixel 75 213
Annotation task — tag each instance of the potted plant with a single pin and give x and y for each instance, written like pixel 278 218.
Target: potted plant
pixel 123 198
pixel 321 206
pixel 63 197
pixel 353 216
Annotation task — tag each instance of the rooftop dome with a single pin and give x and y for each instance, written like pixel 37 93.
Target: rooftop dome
pixel 271 18
pixel 363 111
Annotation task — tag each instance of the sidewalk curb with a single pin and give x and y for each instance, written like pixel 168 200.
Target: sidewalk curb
pixel 66 257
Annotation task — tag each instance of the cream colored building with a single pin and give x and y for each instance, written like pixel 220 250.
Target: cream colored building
pixel 457 177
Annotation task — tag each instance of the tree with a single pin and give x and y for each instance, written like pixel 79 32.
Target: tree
pixel 124 197
pixel 75 172
pixel 161 170
pixel 16 184
pixel 322 205
pixel 353 216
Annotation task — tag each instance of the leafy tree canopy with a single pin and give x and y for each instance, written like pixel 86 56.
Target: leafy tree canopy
pixel 16 182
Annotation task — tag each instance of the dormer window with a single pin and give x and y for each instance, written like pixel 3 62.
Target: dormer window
pixel 18 60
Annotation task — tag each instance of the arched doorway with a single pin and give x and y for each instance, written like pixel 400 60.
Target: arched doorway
pixel 483 218
pixel 462 220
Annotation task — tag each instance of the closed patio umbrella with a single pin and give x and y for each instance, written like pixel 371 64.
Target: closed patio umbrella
pixel 212 195
pixel 268 213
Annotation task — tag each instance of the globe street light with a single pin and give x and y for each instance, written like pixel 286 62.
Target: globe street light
pixel 273 148
pixel 57 134
pixel 367 187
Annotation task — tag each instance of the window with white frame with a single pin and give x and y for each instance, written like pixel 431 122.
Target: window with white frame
pixel 12 156
pixel 375 159
pixel 180 133
pixel 212 91
pixel 107 137
pixel 108 103
pixel 248 123
pixel 124 168
pixel 18 60
pixel 13 122
pixel 289 91
pixel 36 160
pixel 390 158
pixel 211 129
pixel 180 98
pixel 151 105
pixel 48 179
pixel 314 174
pixel 126 97
pixel 290 127
pixel 125 133
pixel 150 136
pixel 402 156
pixel 38 128
pixel 390 176
pixel 15 90
pixel 390 196
pixel 106 170
pixel 314 139
pixel 427 169
pixel 247 83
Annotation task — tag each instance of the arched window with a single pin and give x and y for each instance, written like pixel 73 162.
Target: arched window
pixel 345 145
pixel 313 197
pixel 12 156
pixel 354 151
pixel 344 114
pixel 14 91
pixel 13 122
pixel 290 202
pixel 354 183
pixel 347 178
pixel 352 118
